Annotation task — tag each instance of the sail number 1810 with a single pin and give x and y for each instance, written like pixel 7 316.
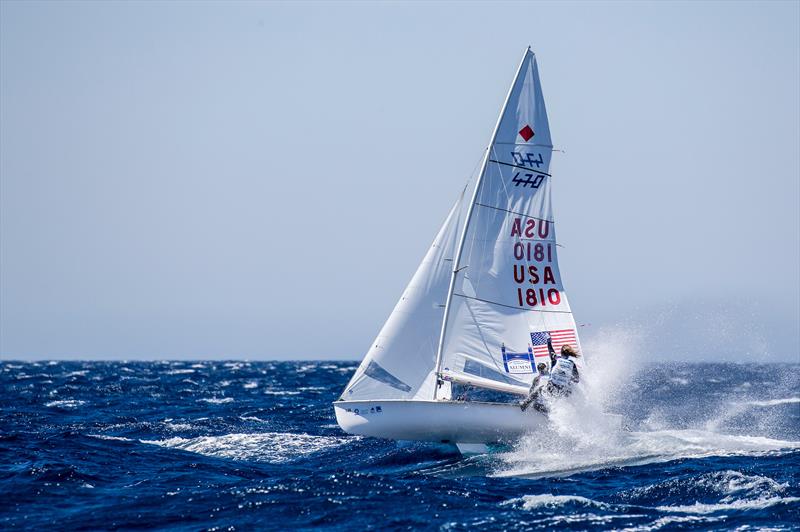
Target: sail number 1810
pixel 534 297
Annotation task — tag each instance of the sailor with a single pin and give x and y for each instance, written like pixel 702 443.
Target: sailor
pixel 557 383
pixel 564 372
pixel 534 396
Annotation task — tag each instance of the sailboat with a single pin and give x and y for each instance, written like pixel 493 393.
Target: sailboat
pixel 481 307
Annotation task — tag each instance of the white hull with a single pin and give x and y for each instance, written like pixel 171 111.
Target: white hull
pixel 437 421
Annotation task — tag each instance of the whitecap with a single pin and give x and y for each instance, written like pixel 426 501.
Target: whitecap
pixel 183 371
pixel 774 402
pixel 177 427
pixel 274 447
pixel 112 438
pixel 216 400
pixel 250 385
pixel 254 418
pixel 548 500
pixel 701 508
pixel 65 403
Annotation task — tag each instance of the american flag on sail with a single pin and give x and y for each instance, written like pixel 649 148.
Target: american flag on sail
pixel 560 337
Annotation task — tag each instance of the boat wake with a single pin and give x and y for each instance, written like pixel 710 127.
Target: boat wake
pixel 561 455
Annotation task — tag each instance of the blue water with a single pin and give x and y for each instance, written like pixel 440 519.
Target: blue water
pixel 241 445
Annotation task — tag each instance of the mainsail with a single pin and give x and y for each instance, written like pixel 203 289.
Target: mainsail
pixel 507 298
pixel 488 296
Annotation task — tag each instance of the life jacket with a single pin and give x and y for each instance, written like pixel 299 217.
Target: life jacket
pixel 561 373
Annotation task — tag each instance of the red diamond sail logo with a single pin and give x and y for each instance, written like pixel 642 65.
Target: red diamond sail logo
pixel 526 133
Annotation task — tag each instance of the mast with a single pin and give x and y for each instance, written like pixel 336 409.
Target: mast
pixel 463 236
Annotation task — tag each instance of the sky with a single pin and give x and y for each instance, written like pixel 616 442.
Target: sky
pixel 260 180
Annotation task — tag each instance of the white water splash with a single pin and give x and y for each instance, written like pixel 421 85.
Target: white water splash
pixel 582 436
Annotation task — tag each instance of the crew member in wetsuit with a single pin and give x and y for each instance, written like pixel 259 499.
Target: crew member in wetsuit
pixel 539 382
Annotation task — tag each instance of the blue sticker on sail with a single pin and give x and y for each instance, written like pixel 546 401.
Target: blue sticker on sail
pixel 517 362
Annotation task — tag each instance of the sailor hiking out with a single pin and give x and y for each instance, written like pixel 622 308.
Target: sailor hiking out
pixel 539 381
pixel 557 382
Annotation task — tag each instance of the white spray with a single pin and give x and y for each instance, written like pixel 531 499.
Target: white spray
pixel 590 430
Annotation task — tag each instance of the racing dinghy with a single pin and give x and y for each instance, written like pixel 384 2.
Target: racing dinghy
pixel 460 348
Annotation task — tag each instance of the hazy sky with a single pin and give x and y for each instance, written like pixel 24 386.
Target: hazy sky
pixel 260 180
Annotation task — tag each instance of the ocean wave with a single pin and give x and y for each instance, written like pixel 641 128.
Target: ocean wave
pixel 110 438
pixel 65 403
pixel 752 499
pixel 709 493
pixel 255 419
pixel 273 447
pixel 180 371
pixel 177 427
pixel 774 402
pixel 670 521
pixel 701 508
pixel 556 453
pixel 216 400
pixel 548 500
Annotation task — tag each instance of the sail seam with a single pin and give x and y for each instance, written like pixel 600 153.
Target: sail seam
pixel 514 212
pixel 512 306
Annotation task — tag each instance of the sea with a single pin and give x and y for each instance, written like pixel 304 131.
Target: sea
pixel 237 445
